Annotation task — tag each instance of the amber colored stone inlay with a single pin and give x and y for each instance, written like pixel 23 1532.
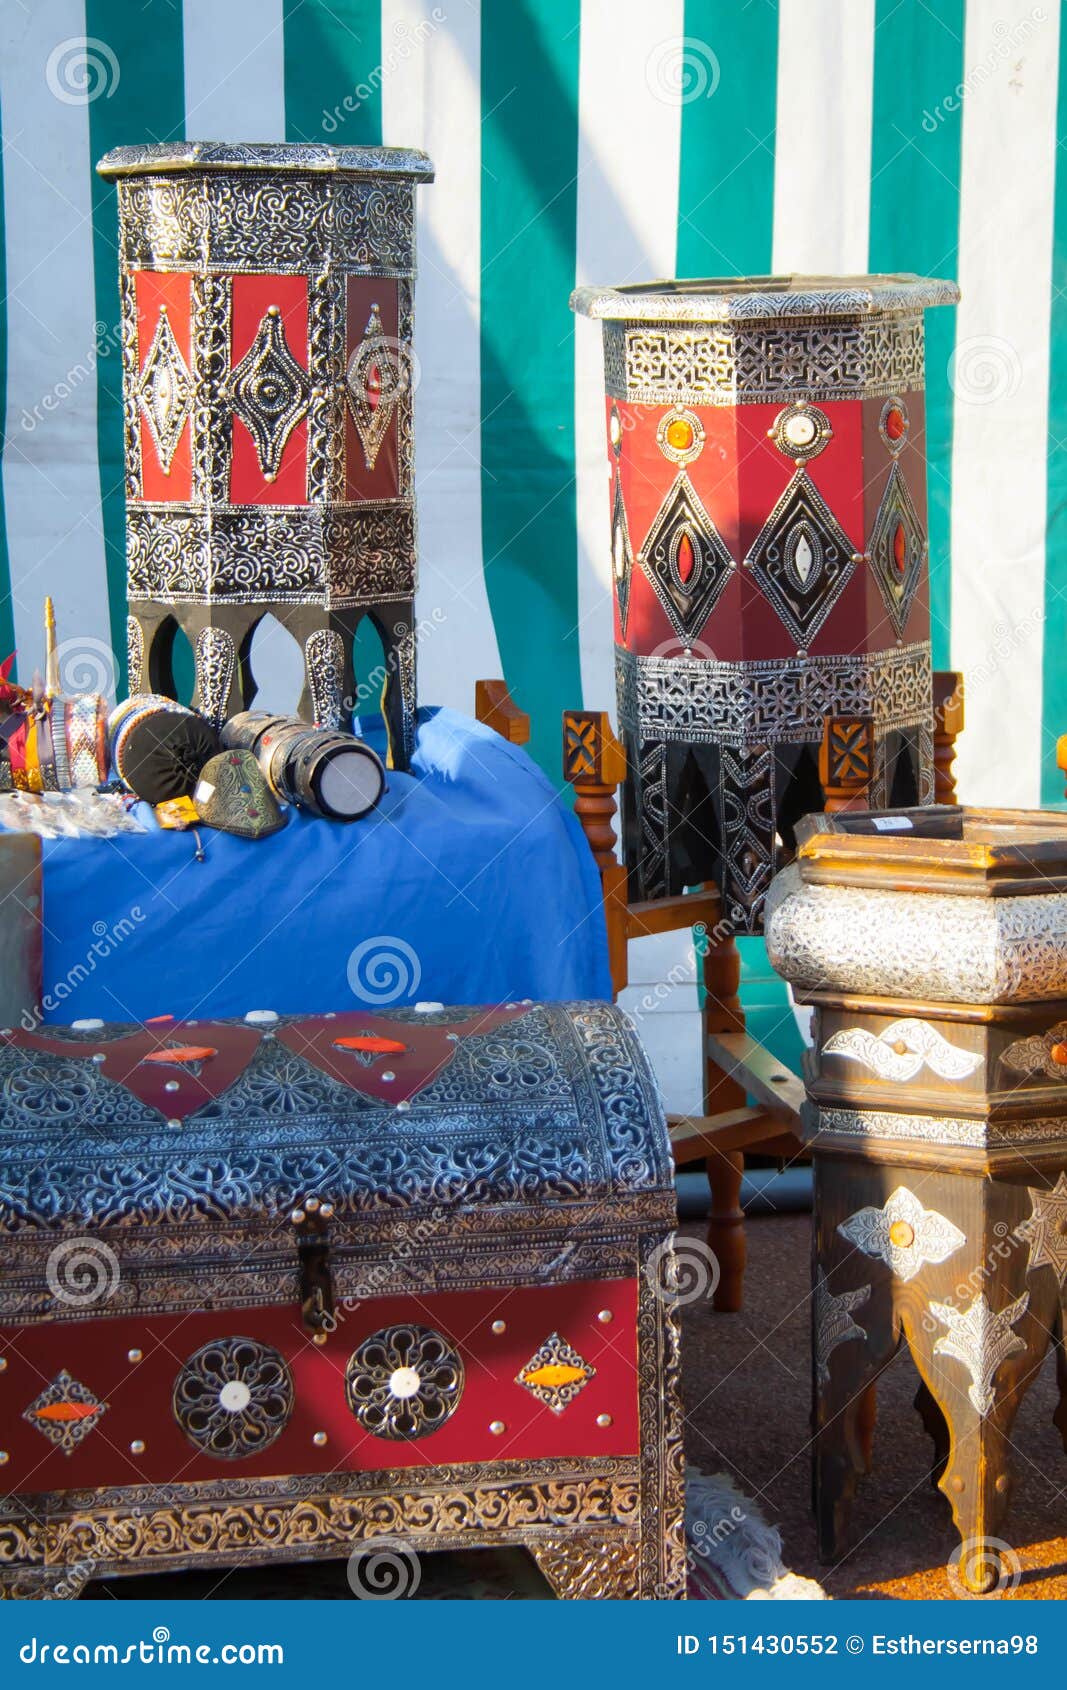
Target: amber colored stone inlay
pixel 900 548
pixel 554 1374
pixel 686 559
pixel 679 434
pixel 66 1411
pixel 370 1042
pixel 902 1234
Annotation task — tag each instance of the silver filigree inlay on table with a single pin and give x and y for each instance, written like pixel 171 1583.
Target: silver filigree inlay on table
pixel 980 1340
pixel 1045 1229
pixel 903 1234
pixel 902 1050
pixel 833 1323
pixel 779 700
pixel 165 391
pixel 941 946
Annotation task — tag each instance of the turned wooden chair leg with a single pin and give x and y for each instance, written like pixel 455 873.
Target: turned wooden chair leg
pixel 726 1229
pixel 948 725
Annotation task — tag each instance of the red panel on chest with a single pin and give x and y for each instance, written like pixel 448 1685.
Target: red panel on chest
pixel 165 384
pixel 276 475
pixel 112 1404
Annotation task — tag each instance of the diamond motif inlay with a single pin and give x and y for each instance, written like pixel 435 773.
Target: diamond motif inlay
pixel 801 559
pixel 686 559
pixel 65 1412
pixel 897 549
pixel 378 375
pixel 269 391
pixel 165 391
pixel 555 1373
pixel 622 557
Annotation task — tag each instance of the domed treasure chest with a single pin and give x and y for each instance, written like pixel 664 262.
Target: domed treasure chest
pixel 283 1288
pixel 266 343
pixel 766 452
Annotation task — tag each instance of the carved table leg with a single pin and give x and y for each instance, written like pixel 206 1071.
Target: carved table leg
pixel 853 1338
pixel 949 1259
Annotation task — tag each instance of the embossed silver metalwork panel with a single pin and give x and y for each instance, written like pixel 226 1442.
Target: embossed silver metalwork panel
pixel 903 1234
pixel 696 700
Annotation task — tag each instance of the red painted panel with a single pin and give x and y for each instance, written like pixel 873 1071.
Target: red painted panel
pixel 383 481
pixel 739 476
pixel 139 1394
pixel 878 460
pixel 153 291
pixel 252 296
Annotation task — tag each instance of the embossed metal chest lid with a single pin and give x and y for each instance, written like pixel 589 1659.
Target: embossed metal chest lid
pixel 942 848
pixel 450 1148
pixel 736 298
pixel 164 158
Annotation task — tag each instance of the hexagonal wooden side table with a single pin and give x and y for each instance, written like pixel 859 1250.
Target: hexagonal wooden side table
pixel 933 947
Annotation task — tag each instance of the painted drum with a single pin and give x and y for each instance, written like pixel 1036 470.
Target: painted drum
pixel 329 773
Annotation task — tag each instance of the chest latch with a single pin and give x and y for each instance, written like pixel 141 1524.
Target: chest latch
pixel 313 1250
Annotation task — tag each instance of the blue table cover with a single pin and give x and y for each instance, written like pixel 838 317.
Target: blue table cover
pixel 470 883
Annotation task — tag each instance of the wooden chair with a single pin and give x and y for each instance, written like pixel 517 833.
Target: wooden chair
pixel 751 1100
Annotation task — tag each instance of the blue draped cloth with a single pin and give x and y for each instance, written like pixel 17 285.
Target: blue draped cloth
pixel 471 883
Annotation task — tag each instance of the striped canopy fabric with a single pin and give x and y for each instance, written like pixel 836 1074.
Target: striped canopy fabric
pixel 576 141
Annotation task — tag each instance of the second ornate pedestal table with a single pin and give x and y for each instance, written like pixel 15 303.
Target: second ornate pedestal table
pixel 933 947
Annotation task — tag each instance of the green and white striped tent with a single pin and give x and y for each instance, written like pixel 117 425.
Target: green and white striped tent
pixel 588 142
pixel 574 142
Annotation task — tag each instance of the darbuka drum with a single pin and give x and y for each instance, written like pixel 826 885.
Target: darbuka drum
pixel 322 770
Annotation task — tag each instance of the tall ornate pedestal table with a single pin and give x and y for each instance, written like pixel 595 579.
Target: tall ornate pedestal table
pixel 266 342
pixel 933 946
